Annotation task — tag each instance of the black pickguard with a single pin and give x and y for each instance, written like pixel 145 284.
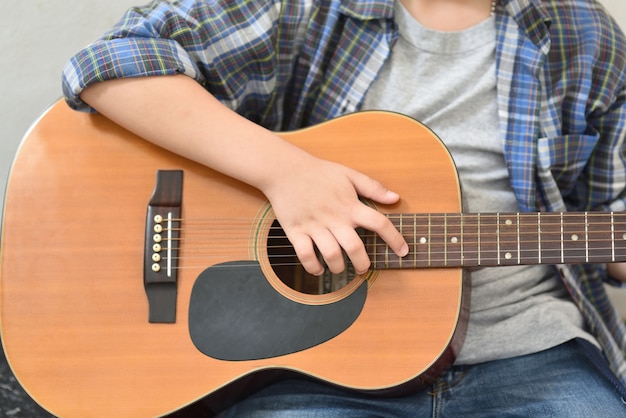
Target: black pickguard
pixel 235 314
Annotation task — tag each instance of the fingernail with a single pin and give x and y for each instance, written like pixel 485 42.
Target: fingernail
pixel 392 194
pixel 404 250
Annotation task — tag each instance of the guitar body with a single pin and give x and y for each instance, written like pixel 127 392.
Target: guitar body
pixel 74 312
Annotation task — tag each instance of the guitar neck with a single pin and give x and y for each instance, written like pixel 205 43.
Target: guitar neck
pixel 503 239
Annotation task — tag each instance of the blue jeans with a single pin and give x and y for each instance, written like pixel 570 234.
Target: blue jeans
pixel 559 382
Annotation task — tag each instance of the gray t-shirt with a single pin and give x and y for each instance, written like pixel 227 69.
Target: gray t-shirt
pixel 447 80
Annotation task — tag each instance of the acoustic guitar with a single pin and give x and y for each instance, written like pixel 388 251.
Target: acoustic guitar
pixel 135 282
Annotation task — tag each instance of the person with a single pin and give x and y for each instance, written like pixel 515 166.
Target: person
pixel 528 95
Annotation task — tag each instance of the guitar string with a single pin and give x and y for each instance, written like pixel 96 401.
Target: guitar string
pixel 468 252
pixel 585 233
pixel 432 262
pixel 245 229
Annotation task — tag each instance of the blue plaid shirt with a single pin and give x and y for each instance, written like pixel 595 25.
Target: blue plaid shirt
pixel 560 81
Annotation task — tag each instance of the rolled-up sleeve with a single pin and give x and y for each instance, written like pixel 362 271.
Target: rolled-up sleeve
pixel 226 45
pixel 148 41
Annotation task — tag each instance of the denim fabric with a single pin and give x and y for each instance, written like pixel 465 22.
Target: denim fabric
pixel 559 382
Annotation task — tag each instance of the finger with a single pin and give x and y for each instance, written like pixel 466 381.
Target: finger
pixel 330 250
pixel 375 221
pixel 354 248
pixel 305 251
pixel 372 189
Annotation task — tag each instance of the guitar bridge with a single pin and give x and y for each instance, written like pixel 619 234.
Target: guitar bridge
pixel 162 236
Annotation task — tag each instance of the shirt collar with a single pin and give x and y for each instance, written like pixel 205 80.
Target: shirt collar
pixel 533 20
pixel 366 10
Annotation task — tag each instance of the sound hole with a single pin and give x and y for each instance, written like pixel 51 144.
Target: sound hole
pixel 287 267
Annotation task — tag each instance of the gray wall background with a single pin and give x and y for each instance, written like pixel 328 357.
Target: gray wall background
pixel 38 36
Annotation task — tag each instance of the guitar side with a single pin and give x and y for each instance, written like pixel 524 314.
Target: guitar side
pixel 73 310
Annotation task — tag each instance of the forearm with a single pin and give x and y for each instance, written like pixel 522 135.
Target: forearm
pixel 176 113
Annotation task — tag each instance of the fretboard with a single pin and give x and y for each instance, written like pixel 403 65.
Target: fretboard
pixel 503 239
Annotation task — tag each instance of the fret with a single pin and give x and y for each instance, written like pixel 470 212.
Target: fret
pixel 437 240
pixel 429 240
pixel 389 257
pixel 618 226
pixel 562 245
pixel 519 244
pixel 422 231
pixel 489 240
pixel 445 239
pixel 415 249
pixel 462 219
pixel 612 237
pixel 574 240
pixel 375 251
pixel 508 233
pixel 602 234
pixel 454 240
pixel 470 238
pixel 539 253
pixel 382 255
pixel 550 241
pixel 498 235
pixel 529 245
pixel 386 254
pixel 478 239
pixel 387 248
pixel 587 237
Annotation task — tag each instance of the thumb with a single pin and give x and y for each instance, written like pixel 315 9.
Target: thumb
pixel 373 189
